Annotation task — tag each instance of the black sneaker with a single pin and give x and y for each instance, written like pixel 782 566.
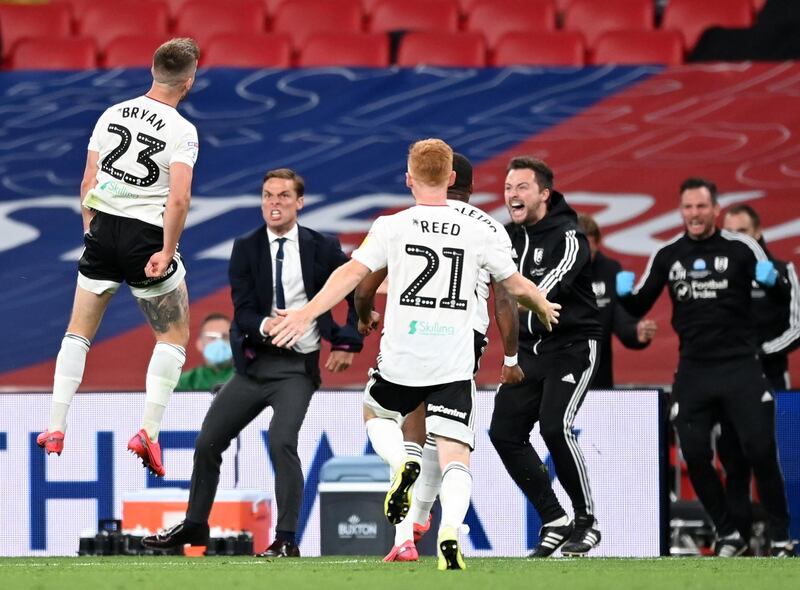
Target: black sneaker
pixel 398 498
pixel 730 546
pixel 179 535
pixel 787 549
pixel 584 537
pixel 550 539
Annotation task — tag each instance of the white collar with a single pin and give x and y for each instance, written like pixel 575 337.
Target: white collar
pixel 291 235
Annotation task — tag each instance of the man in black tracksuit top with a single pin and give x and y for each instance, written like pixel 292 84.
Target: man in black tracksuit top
pixel 558 365
pixel 633 332
pixel 709 274
pixel 778 322
pixel 778 331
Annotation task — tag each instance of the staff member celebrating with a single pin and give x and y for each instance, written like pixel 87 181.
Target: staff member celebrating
pixel 709 273
pixel 558 365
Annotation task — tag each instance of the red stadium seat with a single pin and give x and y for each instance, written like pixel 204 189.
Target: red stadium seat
pixel 175 7
pixel 272 6
pixel 52 21
pixel 203 19
pixel 105 22
pixel 593 18
pixel 436 48
pixel 367 50
pixel 692 18
pixel 495 18
pixel 132 51
pixel 415 15
pixel 253 50
pixel 75 53
pixel 558 48
pixel 367 5
pixel 639 47
pixel 302 18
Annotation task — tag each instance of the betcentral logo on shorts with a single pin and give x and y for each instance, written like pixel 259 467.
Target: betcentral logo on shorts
pixel 355 529
pixel 422 328
pixel 440 409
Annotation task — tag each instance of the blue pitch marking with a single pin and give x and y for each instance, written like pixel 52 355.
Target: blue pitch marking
pixel 347 131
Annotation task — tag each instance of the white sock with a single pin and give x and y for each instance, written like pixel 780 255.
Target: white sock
pixel 387 440
pixel 404 531
pixel 413 450
pixel 563 521
pixel 455 494
pixel 427 486
pixel 163 373
pixel 70 363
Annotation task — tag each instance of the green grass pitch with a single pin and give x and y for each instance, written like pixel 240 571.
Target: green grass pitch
pixel 369 573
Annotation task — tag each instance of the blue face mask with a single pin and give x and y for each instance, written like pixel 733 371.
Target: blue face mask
pixel 217 352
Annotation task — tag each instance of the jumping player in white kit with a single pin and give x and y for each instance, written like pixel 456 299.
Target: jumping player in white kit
pixel 135 194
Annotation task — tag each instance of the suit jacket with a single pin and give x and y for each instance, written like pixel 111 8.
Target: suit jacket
pixel 250 276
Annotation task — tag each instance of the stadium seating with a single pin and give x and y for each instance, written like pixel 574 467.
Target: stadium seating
pixel 593 19
pixel 562 6
pixel 252 50
pixel 203 19
pixel 638 47
pixel 415 15
pixel 105 22
pixel 442 49
pixel 131 51
pixel 301 18
pixel 74 53
pixel 345 49
pixel 272 6
pixel 52 21
pixel 692 18
pixel 557 48
pixel 175 7
pixel 494 18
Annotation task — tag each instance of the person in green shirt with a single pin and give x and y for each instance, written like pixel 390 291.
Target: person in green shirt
pixel 214 344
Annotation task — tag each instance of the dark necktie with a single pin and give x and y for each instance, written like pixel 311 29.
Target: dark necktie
pixel 280 297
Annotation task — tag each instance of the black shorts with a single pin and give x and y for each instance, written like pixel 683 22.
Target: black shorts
pixel 448 406
pixel 117 249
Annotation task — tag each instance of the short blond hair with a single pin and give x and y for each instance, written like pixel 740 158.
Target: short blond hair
pixel 175 61
pixel 430 161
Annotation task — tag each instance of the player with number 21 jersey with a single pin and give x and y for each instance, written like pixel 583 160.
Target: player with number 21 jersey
pixel 435 254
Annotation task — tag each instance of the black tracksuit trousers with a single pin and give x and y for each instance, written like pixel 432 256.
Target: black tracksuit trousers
pixel 735 392
pixel 552 392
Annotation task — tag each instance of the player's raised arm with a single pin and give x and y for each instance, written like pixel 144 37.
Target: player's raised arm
pixel 294 322
pixel 528 294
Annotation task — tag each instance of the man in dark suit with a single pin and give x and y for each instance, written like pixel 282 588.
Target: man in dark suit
pixel 633 332
pixel 277 266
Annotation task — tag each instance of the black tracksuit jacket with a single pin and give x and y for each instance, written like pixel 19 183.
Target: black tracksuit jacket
pixel 554 254
pixel 709 283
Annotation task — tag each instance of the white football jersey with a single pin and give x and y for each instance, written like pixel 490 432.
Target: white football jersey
pixel 482 288
pixel 137 141
pixel 434 255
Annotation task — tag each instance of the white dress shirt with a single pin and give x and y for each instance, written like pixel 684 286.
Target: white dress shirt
pixel 293 287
